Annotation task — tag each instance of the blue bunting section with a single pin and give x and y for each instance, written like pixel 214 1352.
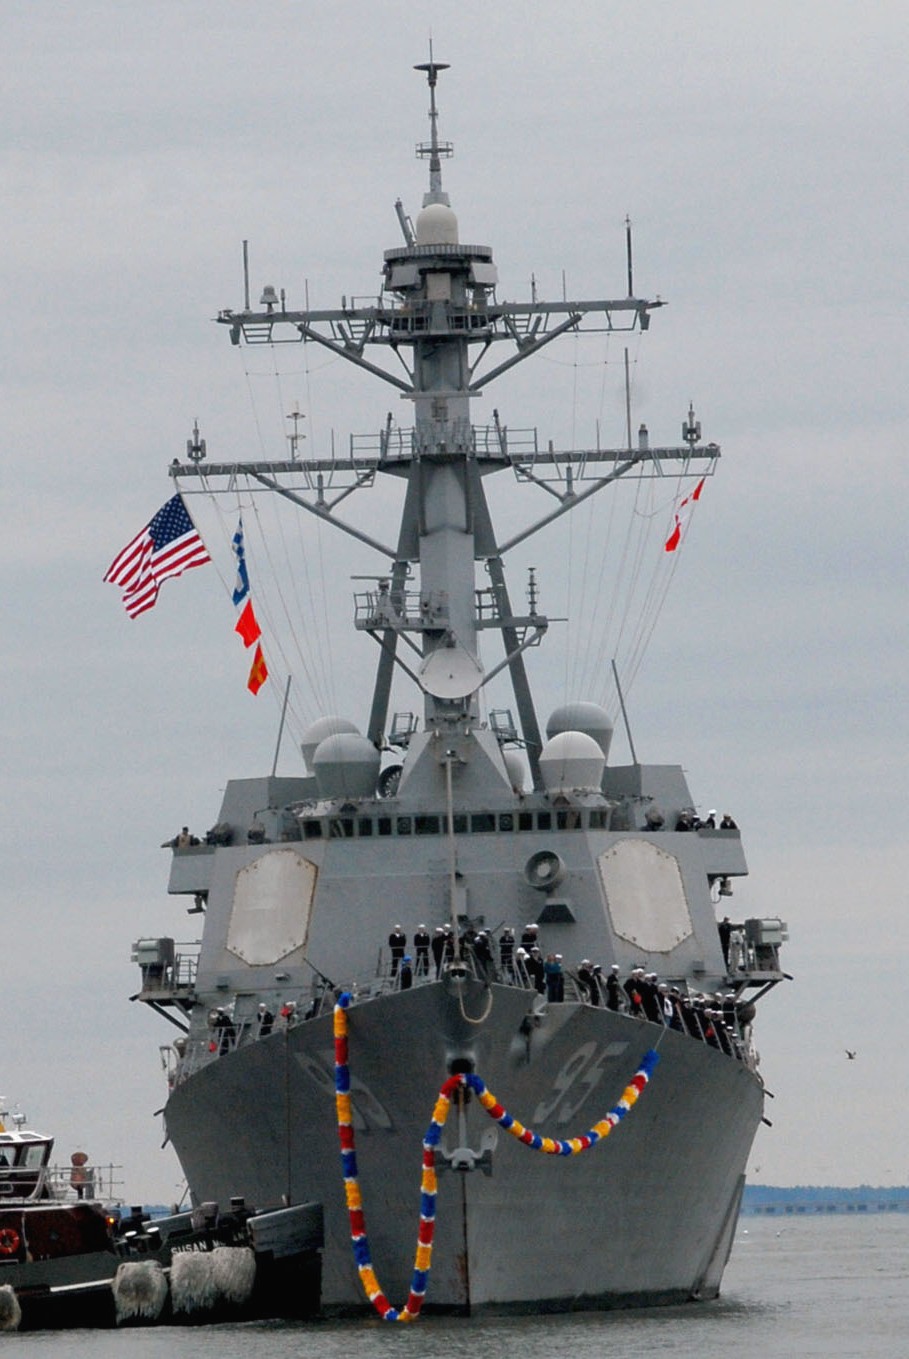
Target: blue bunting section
pixel 429 1185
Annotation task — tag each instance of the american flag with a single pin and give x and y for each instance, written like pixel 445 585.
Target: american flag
pixel 167 546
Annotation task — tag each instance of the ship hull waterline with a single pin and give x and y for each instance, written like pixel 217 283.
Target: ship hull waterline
pixel 649 1212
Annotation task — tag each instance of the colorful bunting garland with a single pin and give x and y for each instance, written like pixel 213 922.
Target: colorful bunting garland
pixel 428 1184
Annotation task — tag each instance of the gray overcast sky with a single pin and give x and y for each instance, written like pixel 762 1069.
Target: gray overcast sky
pixel 760 151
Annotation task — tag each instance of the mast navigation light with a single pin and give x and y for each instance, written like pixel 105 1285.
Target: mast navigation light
pixel 691 429
pixel 195 447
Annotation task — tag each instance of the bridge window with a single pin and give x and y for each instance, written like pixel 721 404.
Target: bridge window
pixel 482 821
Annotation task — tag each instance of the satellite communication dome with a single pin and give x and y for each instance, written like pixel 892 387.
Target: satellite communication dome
pixel 589 718
pixel 346 765
pixel 436 225
pixel 572 760
pixel 324 726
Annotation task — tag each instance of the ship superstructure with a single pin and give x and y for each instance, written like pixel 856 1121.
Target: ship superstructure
pixel 424 821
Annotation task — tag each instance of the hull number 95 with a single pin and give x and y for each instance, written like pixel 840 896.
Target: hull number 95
pixel 576 1081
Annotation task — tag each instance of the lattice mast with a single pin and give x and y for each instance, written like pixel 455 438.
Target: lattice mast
pixel 440 318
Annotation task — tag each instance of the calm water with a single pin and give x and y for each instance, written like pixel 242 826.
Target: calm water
pixel 796 1286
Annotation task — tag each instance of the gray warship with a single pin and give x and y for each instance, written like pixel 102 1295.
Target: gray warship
pixel 453 821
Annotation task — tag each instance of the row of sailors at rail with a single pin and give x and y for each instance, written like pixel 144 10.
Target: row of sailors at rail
pixel 714 1019
pixel 688 820
pixel 429 954
pixel 434 952
pixel 521 963
pixel 226 1033
pixel 717 1020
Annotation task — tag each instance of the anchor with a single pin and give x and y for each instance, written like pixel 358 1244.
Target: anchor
pixel 463 1157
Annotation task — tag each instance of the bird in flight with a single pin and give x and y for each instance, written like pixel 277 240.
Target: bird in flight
pixel 850 1055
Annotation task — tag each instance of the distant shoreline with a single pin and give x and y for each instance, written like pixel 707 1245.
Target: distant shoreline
pixel 759 1199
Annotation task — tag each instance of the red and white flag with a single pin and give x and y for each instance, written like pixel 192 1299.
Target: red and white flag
pixel 682 515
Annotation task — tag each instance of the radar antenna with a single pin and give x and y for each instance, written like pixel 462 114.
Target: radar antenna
pixel 434 150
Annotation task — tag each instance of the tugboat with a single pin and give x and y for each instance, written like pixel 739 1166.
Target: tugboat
pixel 436 901
pixel 57 1253
pixel 69 1258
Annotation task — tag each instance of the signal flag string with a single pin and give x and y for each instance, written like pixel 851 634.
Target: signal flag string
pixel 247 625
pixel 682 515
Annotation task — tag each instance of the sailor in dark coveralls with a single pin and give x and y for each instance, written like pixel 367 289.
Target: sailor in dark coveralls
pixel 225 1030
pixel 633 991
pixel 613 989
pixel 397 942
pixel 589 982
pixel 534 965
pixel 421 951
pixel 725 929
pixel 482 952
pixel 506 952
pixel 650 998
pixel 438 949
